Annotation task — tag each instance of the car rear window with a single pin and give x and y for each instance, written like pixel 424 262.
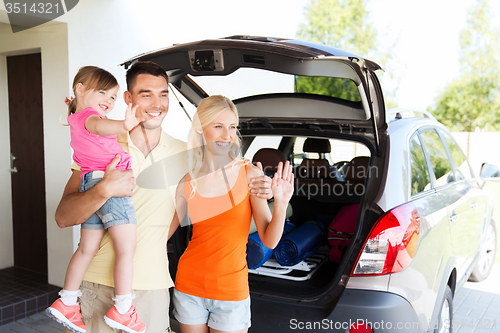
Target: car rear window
pixel 328 86
pixel 438 158
pixel 341 151
pixel 420 180
pixel 246 82
pixel 463 167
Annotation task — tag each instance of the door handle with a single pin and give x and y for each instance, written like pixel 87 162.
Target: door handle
pixel 453 218
pixel 13 169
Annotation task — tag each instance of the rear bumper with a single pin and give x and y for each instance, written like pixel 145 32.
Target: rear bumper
pixel 383 311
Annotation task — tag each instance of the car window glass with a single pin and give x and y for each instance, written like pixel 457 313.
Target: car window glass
pixel 463 167
pixel 246 82
pixel 342 151
pixel 253 81
pixel 328 86
pixel 299 154
pixel 438 158
pixel 420 180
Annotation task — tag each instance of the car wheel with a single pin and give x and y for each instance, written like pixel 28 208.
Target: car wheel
pixel 445 317
pixel 486 260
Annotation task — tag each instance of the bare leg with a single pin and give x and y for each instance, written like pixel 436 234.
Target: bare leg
pixel 90 241
pixel 203 328
pixel 124 242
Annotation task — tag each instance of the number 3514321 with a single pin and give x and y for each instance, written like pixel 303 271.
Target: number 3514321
pixel 34 8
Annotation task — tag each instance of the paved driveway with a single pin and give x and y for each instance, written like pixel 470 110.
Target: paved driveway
pixel 477 309
pixel 477 306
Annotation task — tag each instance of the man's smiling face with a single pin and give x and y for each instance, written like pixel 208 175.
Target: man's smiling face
pixel 150 93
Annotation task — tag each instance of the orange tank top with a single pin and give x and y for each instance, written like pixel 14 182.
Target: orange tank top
pixel 214 264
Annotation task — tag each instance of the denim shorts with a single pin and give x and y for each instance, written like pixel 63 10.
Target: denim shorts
pixel 219 315
pixel 115 211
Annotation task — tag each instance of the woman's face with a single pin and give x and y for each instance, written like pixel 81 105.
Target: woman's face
pixel 221 133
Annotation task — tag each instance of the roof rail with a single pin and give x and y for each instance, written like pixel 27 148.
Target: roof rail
pixel 400 113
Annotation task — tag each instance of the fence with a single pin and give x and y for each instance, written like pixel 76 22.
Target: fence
pixel 479 147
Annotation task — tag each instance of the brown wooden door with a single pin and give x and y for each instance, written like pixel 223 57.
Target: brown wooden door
pixel 26 145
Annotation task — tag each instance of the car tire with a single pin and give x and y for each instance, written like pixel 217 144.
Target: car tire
pixel 445 317
pixel 484 264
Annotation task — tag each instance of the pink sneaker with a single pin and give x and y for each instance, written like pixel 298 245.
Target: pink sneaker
pixel 128 322
pixel 67 315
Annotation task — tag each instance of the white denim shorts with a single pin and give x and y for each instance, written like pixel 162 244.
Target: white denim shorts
pixel 219 315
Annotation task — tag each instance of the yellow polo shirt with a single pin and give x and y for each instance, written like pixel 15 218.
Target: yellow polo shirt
pixel 157 176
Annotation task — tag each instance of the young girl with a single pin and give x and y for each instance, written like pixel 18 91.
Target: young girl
pixel 94 143
pixel 211 285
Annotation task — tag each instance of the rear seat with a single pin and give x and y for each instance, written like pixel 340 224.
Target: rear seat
pixel 328 188
pixel 269 158
pixel 357 169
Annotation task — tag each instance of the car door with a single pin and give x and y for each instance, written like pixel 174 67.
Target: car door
pixel 451 194
pixel 429 263
pixel 475 207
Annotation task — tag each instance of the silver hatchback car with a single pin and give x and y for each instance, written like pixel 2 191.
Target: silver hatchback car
pixel 388 220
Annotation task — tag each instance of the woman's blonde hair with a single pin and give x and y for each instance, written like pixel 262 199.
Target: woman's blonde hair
pixel 208 110
pixel 94 78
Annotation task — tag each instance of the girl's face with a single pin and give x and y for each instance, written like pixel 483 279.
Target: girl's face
pixel 102 101
pixel 221 133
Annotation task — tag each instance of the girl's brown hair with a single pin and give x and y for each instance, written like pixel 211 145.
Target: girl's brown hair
pixel 94 78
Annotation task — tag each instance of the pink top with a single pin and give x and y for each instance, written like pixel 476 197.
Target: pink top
pixel 93 152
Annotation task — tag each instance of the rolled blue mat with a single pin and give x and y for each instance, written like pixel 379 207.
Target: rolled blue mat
pixel 257 253
pixel 300 244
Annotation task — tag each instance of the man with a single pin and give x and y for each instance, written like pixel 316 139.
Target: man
pixel 149 147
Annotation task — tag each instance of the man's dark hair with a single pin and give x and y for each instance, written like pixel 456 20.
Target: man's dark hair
pixel 143 67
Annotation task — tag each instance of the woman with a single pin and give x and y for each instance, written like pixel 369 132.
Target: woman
pixel 211 290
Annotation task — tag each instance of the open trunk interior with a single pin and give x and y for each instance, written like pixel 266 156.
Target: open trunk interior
pixel 329 184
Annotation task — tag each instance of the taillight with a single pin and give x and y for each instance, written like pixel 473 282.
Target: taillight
pixel 360 328
pixel 392 242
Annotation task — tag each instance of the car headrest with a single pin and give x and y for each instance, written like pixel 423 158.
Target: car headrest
pixel 314 168
pixel 314 145
pixel 269 157
pixel 357 169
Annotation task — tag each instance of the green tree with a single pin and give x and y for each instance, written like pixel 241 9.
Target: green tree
pixel 480 43
pixel 339 23
pixel 472 100
pixel 468 103
pixel 343 24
